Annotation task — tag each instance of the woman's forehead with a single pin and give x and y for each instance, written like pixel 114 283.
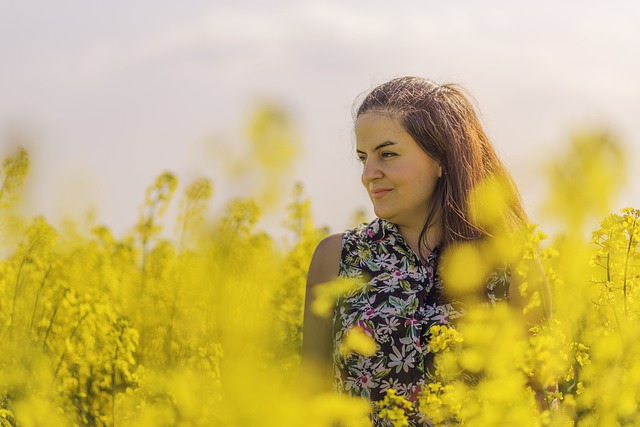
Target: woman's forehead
pixel 373 122
pixel 375 129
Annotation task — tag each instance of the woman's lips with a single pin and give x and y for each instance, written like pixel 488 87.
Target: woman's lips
pixel 376 194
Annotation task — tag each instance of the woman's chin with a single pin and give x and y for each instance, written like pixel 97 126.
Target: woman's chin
pixel 384 215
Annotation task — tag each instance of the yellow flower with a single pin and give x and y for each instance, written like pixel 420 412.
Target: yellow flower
pixel 463 282
pixel 393 408
pixel 357 341
pixel 326 294
pixel 442 337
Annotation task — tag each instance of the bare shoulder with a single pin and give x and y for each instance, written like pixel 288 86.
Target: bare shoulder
pixel 325 262
pixel 317 335
pixel 330 245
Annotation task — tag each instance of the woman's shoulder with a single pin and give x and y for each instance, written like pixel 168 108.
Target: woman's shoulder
pixel 325 262
pixel 331 244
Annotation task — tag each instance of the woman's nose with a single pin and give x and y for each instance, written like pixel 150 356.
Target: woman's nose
pixel 371 170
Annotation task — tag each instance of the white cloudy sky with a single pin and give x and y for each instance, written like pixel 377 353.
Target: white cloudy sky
pixel 110 94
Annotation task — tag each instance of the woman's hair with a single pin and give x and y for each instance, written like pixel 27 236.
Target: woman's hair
pixel 443 122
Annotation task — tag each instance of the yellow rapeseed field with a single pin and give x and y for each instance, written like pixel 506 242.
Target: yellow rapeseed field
pixel 203 328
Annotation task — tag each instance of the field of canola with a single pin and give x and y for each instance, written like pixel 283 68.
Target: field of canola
pixel 203 328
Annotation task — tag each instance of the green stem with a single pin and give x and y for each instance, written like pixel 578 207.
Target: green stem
pixel 626 268
pixel 113 379
pixel 35 304
pixel 53 317
pixel 64 353
pixel 17 287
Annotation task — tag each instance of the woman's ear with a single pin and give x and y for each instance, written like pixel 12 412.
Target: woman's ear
pixel 439 170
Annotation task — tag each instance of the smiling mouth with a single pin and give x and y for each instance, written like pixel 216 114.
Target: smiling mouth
pixel 376 194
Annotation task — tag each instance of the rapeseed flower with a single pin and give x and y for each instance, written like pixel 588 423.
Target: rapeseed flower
pixel 205 329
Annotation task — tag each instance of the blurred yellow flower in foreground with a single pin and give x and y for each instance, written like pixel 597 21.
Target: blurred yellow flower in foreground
pixel 205 329
pixel 327 294
pixel 357 341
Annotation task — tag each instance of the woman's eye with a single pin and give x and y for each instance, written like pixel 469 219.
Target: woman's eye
pixel 362 159
pixel 387 154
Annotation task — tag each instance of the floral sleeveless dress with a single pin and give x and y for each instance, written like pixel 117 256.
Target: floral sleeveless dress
pixel 401 298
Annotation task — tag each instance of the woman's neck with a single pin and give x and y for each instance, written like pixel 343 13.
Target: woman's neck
pixel 411 235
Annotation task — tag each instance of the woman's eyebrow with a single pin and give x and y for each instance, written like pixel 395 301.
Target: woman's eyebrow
pixel 379 146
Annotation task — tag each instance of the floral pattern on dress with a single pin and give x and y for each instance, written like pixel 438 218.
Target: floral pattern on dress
pixel 399 300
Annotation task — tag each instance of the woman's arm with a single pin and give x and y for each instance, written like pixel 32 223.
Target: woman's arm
pixel 317 331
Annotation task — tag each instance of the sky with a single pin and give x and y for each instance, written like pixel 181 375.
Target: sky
pixel 107 95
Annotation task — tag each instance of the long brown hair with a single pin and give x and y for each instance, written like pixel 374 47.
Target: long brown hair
pixel 443 122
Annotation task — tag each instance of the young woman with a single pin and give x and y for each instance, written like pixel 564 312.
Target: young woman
pixel 422 150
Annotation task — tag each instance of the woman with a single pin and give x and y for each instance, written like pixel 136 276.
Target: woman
pixel 423 150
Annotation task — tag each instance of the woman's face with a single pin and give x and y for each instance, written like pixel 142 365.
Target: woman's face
pixel 398 175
